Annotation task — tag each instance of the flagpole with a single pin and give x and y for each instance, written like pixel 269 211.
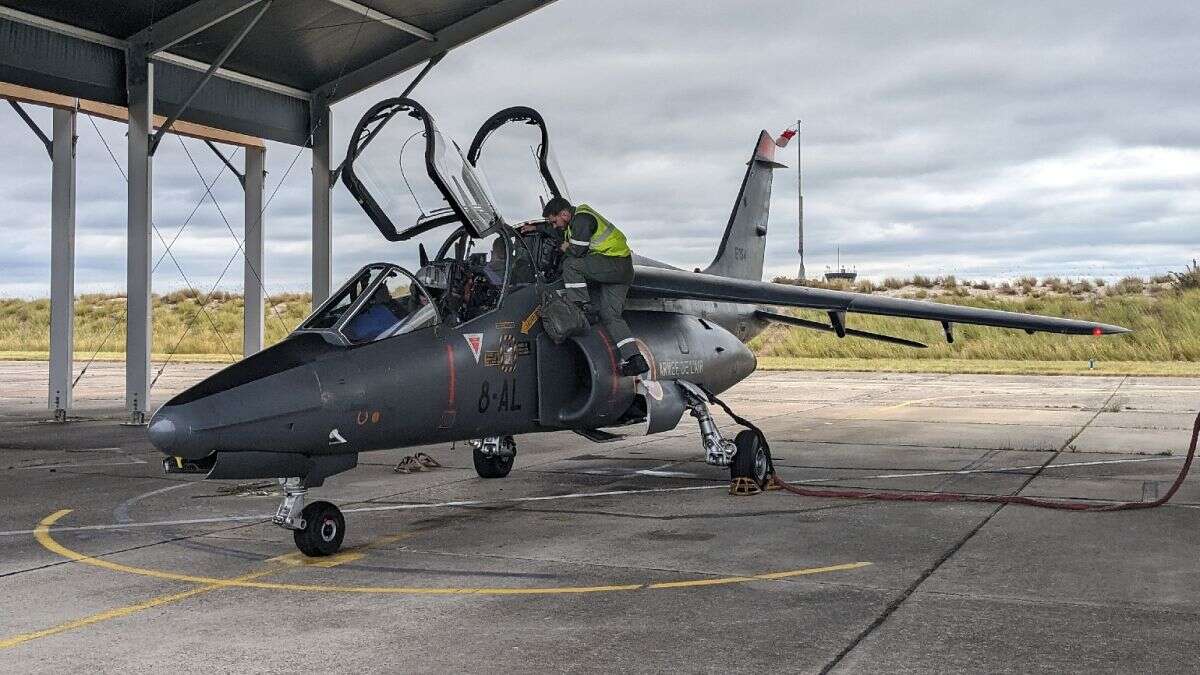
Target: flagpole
pixel 799 199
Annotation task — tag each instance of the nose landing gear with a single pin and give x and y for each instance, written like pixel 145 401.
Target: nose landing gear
pixel 318 528
pixel 493 456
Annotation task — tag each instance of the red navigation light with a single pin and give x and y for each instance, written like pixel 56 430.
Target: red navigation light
pixel 1097 331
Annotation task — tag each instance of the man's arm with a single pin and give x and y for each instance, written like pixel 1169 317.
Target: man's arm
pixel 583 225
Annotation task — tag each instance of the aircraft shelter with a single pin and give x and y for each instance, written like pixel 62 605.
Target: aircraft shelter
pixel 235 72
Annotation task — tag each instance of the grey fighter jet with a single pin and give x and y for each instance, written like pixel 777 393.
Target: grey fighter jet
pixel 457 351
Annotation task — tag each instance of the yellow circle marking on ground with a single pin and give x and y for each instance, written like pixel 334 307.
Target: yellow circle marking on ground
pixel 42 533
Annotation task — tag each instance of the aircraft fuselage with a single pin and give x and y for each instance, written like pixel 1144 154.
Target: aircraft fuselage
pixel 496 375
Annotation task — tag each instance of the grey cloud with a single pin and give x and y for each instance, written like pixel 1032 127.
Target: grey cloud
pixel 936 139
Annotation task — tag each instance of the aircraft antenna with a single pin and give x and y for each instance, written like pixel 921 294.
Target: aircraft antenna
pixel 800 199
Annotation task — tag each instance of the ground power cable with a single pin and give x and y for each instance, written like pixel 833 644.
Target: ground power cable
pixel 902 496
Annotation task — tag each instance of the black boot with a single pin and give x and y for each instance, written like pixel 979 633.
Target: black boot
pixel 634 365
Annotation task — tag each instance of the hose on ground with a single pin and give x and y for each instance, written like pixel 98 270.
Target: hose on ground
pixel 900 496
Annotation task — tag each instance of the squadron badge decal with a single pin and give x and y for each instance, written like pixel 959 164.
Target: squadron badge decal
pixel 475 342
pixel 505 357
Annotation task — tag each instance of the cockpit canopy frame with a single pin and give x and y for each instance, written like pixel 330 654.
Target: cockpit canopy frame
pixel 461 185
pixel 547 163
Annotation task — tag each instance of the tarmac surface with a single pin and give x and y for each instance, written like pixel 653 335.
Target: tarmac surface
pixel 629 555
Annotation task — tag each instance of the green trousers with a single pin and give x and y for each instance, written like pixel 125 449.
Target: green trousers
pixel 603 281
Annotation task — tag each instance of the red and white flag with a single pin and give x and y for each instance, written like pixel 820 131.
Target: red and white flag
pixel 786 136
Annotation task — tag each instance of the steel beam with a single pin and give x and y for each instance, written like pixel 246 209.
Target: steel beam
pixel 393 64
pixel 228 164
pixel 37 131
pixel 385 19
pixel 139 80
pixel 62 263
pixel 185 23
pixel 322 184
pixel 253 274
pixel 212 69
pixel 166 57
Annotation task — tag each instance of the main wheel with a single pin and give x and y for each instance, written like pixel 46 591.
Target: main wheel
pixel 751 460
pixel 496 466
pixel 324 527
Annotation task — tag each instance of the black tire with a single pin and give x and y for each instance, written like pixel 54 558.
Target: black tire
pixel 324 528
pixel 496 466
pixel 752 459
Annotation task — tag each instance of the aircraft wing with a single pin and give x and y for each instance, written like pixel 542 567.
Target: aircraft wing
pixel 657 282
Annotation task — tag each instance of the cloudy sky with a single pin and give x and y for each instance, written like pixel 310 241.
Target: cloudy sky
pixel 980 139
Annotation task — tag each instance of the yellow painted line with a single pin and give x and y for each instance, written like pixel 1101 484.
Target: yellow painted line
pixel 121 612
pixel 871 412
pixel 298 559
pixel 291 559
pixel 934 398
pixel 759 577
pixel 42 533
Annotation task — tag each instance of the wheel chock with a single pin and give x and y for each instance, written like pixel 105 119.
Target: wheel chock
pixel 743 487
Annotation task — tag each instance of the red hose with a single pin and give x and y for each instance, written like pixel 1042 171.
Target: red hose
pixel 1066 504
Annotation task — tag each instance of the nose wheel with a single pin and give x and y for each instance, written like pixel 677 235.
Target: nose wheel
pixel 493 456
pixel 322 530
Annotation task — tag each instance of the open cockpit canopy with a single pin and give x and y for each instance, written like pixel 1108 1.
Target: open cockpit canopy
pixel 509 158
pixel 375 173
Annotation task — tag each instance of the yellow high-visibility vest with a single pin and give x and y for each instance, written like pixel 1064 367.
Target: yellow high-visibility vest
pixel 606 239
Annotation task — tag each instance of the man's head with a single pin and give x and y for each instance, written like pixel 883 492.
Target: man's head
pixel 558 212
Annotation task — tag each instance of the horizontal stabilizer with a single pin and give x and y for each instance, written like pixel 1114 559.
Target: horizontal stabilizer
pixel 816 325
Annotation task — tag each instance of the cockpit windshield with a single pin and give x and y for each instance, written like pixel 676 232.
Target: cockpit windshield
pixel 379 302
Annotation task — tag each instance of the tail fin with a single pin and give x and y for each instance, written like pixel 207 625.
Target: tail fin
pixel 745 242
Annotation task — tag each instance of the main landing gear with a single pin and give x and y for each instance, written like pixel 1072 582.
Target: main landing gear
pixel 748 458
pixel 493 456
pixel 318 528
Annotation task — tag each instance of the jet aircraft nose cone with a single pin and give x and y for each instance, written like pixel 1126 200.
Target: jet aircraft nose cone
pixel 172 430
pixel 162 431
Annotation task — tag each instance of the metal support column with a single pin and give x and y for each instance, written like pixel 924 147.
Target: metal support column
pixel 62 263
pixel 253 275
pixel 139 80
pixel 322 241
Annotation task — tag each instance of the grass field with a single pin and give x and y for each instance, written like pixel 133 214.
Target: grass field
pixel 984 366
pixel 1166 329
pixel 1165 320
pixel 179 325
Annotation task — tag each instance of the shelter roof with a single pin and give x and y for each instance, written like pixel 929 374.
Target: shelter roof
pixel 298 52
